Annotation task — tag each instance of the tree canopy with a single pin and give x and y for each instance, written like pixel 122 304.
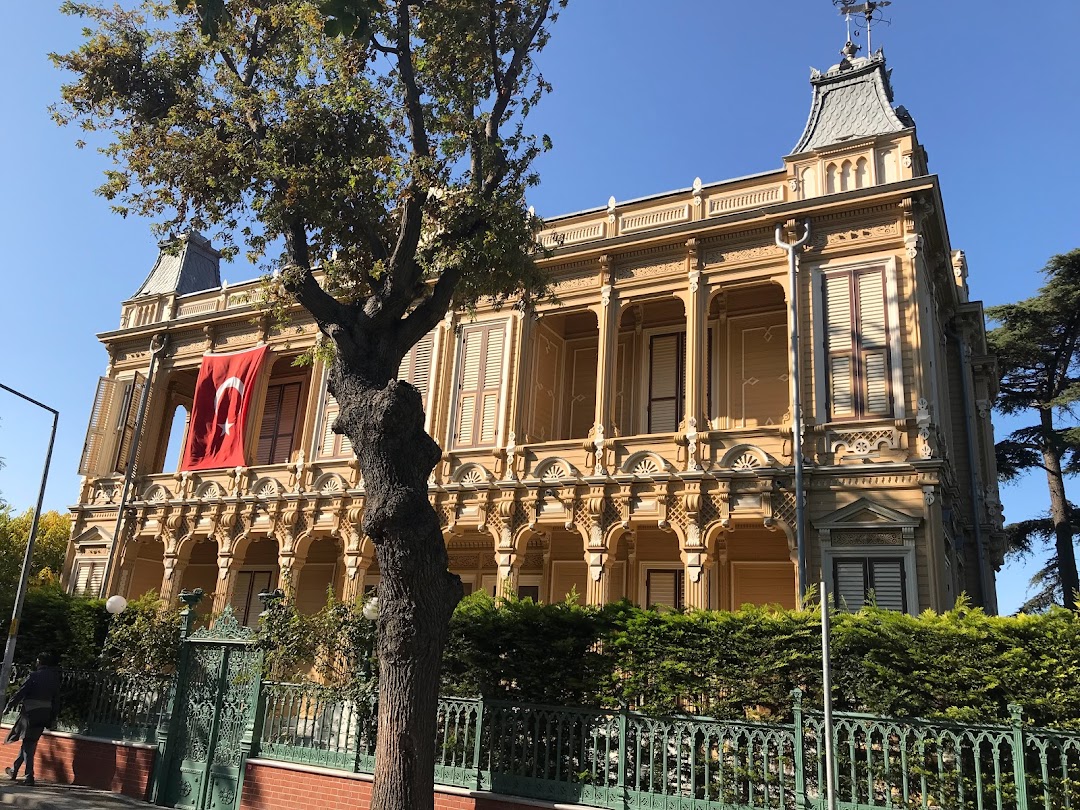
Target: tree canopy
pixel 50 546
pixel 373 154
pixel 1037 343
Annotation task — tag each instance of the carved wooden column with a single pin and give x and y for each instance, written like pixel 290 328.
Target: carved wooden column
pixel 175 565
pixel 694 303
pixel 693 553
pixel 607 320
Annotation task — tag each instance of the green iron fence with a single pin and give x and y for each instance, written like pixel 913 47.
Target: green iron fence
pixel 110 705
pixel 622 759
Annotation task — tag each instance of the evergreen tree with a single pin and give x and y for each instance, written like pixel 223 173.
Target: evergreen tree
pixel 1037 343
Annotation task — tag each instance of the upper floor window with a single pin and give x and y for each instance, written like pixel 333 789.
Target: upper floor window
pixel 480 361
pixel 415 369
pixel 667 382
pixel 277 433
pixel 857 339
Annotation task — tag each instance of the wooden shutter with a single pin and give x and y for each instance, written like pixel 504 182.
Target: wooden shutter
pixel 664 587
pixel 332 445
pixel 129 414
pixel 857 345
pixel 245 597
pixel 278 423
pixel 873 344
pixel 415 366
pixel 480 386
pixel 855 577
pixel 887 580
pixel 666 360
pixel 102 417
pixel 583 392
pixel 850 583
pixel 839 345
pixel 89 578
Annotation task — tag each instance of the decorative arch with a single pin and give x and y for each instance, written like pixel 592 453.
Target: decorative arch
pixel 155 492
pixel 472 474
pixel 209 491
pixel 266 488
pixel 330 483
pixel 746 458
pixel 646 464
pixel 555 469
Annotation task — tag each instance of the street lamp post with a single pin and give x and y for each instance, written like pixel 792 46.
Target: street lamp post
pixel 20 594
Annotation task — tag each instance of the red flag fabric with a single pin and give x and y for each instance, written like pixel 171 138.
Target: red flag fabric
pixel 223 392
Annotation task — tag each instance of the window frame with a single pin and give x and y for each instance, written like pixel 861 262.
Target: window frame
pixel 905 553
pixel 887 264
pixel 647 566
pixel 452 442
pixel 297 434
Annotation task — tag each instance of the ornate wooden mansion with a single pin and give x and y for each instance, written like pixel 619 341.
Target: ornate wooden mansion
pixel 632 439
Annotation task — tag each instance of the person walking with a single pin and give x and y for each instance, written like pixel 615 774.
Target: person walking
pixel 40 699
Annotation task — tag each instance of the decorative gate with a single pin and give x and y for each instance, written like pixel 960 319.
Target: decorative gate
pixel 213 717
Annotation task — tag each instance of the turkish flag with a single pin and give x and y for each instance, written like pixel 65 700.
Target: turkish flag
pixel 223 392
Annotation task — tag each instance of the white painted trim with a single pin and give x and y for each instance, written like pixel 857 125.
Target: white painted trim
pixel 905 552
pixel 502 429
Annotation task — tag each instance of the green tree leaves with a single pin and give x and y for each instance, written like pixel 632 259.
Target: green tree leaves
pixel 1037 343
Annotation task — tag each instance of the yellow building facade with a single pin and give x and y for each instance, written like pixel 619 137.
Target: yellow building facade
pixel 631 439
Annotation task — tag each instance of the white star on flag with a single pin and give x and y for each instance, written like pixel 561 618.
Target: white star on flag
pixel 226 426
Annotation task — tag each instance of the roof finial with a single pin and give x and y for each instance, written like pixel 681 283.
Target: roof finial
pixel 869 11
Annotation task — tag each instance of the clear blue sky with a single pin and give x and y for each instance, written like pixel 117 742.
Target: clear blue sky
pixel 647 97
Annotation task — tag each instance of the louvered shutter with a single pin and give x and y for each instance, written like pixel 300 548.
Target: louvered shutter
pixel 663 587
pixel 583 392
pixel 480 386
pixel 887 580
pixel 89 578
pixel 839 344
pixel 97 432
pixel 332 445
pixel 129 414
pixel 567 577
pixel 850 583
pixel 415 366
pixel 873 344
pixel 665 383
pixel 278 426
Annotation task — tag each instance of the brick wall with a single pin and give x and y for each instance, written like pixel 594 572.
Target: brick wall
pixel 280 786
pixel 72 760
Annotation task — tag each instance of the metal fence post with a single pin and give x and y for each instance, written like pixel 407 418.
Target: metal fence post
pixel 1019 767
pixel 798 744
pixel 623 724
pixel 477 743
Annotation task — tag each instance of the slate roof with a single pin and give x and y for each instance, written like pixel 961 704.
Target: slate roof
pixel 188 267
pixel 851 100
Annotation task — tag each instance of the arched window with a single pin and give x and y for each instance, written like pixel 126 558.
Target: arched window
pixel 830 179
pixel 862 173
pixel 845 176
pixel 177 434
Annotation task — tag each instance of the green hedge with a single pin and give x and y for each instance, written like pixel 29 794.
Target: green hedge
pixel 70 627
pixel 962 665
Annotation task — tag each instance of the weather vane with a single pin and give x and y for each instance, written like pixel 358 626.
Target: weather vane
pixel 870 11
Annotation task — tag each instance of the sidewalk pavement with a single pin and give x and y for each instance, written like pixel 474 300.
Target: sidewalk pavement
pixel 44 796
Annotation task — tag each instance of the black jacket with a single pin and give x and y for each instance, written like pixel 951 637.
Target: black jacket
pixel 40 699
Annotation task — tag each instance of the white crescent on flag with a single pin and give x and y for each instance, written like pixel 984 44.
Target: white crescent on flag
pixel 232 382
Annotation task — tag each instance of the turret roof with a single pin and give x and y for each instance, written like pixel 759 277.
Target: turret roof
pixel 187 264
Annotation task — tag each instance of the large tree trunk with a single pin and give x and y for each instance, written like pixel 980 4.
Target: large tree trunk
pixel 1059 513
pixel 417 594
